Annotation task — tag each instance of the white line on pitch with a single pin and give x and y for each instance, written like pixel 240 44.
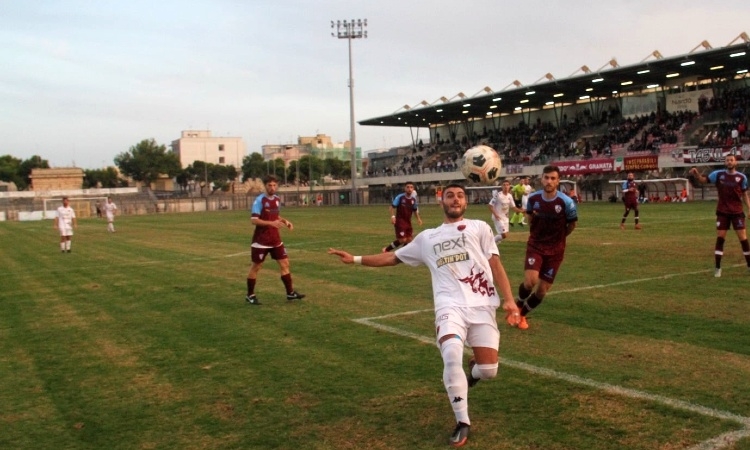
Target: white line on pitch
pixel 632 393
pixel 716 443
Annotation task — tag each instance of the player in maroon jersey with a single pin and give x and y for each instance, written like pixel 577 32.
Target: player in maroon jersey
pixel 731 186
pixel 630 198
pixel 402 208
pixel 267 240
pixel 553 216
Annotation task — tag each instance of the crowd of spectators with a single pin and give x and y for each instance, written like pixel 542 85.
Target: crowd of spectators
pixel 583 136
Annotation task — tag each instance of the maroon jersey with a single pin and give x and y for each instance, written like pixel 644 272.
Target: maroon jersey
pixel 266 208
pixel 630 197
pixel 730 187
pixel 549 222
pixel 405 207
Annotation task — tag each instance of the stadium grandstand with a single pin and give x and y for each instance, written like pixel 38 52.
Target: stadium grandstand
pixel 656 118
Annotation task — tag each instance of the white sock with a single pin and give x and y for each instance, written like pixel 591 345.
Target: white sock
pixel 62 246
pixel 454 378
pixel 67 245
pixel 484 371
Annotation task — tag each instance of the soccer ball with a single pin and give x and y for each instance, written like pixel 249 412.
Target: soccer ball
pixel 481 164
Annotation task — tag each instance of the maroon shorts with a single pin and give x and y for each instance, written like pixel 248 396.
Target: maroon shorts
pixel 725 221
pixel 403 231
pixel 630 204
pixel 546 265
pixel 258 255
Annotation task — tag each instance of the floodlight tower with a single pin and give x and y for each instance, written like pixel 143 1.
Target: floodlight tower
pixel 351 29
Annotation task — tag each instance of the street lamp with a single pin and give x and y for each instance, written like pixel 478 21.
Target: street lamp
pixel 351 30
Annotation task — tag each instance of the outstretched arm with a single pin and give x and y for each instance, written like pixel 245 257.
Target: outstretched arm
pixel 698 176
pixel 377 260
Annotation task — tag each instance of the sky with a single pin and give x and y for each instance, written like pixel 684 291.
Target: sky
pixel 83 81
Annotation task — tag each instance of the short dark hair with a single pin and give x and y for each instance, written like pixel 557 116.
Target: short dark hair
pixel 270 178
pixel 410 182
pixel 455 185
pixel 551 168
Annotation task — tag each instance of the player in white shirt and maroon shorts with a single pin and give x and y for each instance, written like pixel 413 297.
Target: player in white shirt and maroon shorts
pixel 466 276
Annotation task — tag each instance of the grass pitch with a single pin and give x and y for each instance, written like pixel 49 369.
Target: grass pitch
pixel 141 339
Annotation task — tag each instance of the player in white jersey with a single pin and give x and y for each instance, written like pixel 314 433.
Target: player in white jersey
pixel 65 221
pixel 109 210
pixel 500 206
pixel 465 268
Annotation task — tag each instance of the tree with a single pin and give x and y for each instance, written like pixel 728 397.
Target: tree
pixel 310 168
pixel 106 178
pixel 254 166
pixel 9 170
pixel 146 161
pixel 19 172
pixel 24 170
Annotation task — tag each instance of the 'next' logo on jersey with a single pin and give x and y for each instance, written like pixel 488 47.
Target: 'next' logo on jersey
pixel 450 244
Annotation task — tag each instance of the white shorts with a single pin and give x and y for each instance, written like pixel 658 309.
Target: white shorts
pixel 502 226
pixel 66 231
pixel 110 217
pixel 476 326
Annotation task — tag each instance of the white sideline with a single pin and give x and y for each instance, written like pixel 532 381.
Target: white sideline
pixel 715 443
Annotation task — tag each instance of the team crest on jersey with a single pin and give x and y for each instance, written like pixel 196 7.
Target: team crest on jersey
pixel 532 261
pixel 479 283
pixel 558 208
pixel 461 227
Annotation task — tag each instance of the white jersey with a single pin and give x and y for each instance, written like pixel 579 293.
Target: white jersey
pixel 109 210
pixel 501 203
pixel 527 190
pixel 457 255
pixel 65 216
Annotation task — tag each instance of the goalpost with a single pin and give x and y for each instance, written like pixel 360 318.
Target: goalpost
pixel 661 187
pixel 84 207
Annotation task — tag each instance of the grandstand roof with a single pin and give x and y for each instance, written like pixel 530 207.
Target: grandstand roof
pixel 707 64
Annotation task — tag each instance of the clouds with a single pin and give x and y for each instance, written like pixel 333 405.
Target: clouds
pixel 94 78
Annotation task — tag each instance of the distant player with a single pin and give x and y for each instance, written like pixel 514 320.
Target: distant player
pixel 109 210
pixel 552 217
pixel 500 206
pixel 401 209
pixel 267 241
pixel 630 199
pixel 518 191
pixel 731 187
pixel 65 221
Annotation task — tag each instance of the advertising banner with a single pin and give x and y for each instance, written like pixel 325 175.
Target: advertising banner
pixel 585 166
pixel 715 154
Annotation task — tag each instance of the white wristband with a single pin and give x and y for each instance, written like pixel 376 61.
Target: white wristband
pixel 357 260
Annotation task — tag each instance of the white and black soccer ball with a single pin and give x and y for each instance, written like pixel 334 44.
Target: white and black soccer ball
pixel 481 164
